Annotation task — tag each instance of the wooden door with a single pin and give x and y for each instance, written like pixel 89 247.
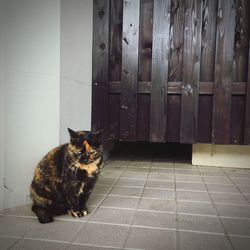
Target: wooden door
pixel 172 70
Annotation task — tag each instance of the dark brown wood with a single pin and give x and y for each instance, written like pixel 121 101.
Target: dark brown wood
pixel 237 114
pixel 145 40
pixel 100 66
pixel 204 134
pixel 158 115
pixel 173 124
pixel 114 117
pixel 247 114
pixel 205 88
pixel 176 40
pixel 223 72
pixel 130 43
pixel 143 105
pixel 115 57
pixel 191 71
pixel 209 12
pixel 241 41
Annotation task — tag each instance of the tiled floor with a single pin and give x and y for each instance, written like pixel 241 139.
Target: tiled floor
pixel 146 204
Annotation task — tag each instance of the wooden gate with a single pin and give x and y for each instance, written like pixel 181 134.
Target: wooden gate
pixel 172 70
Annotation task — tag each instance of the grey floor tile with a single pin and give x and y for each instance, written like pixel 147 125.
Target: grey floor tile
pixel 158 193
pixel 102 235
pixel 27 244
pixel 106 181
pixel 196 208
pixel 189 178
pixel 228 198
pixel 222 188
pixel 21 211
pixel 241 181
pixel 237 173
pixel 240 243
pixel 147 238
pixel 154 219
pixel 159 184
pixel 166 171
pixel 198 241
pixel 58 230
pixel 161 176
pixel 212 173
pixel 14 226
pixel 217 180
pixel 111 173
pixel 186 172
pixel 247 196
pixel 112 215
pixel 210 169
pixel 240 211
pixel 6 242
pixel 237 226
pixel 120 202
pixel 140 163
pixel 87 247
pixel 131 182
pixel 101 189
pixel 169 165
pixel 119 163
pixel 95 199
pixel 157 205
pixel 190 186
pixel 244 189
pixel 135 175
pixel 126 191
pixel 135 169
pixel 179 165
pixel 193 196
pixel 200 223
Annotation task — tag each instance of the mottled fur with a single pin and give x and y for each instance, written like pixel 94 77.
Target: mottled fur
pixel 65 177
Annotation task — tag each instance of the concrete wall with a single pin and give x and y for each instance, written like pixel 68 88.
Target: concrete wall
pixel 221 155
pixel 1 104
pixel 32 69
pixel 76 66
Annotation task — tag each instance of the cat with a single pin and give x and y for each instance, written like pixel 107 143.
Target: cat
pixel 65 177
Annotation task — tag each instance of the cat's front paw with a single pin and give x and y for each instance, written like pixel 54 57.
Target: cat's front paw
pixel 78 214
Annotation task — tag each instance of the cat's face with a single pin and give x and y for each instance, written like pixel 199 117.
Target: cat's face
pixel 85 145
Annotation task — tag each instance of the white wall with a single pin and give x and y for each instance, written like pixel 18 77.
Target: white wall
pixel 221 155
pixel 32 68
pixel 1 104
pixel 76 66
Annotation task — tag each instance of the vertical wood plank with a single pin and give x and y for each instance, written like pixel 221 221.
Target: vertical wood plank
pixel 160 53
pixel 209 13
pixel 143 117
pixel 114 117
pixel 115 57
pixel 237 119
pixel 174 114
pixel 247 115
pixel 204 134
pixel 191 71
pixel 100 66
pixel 223 72
pixel 131 10
pixel 145 40
pixel 176 40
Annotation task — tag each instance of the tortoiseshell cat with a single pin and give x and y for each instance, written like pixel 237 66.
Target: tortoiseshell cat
pixel 65 177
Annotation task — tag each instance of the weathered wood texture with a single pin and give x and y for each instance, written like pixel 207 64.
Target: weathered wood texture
pixel 100 73
pixel 172 71
pixel 130 44
pixel 223 71
pixel 191 71
pixel 160 52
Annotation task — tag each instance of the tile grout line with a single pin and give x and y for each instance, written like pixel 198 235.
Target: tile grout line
pixel 218 216
pixel 176 216
pixel 229 177
pixel 99 204
pixel 135 210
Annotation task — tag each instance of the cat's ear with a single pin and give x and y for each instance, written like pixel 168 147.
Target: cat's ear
pixel 72 133
pixel 97 137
